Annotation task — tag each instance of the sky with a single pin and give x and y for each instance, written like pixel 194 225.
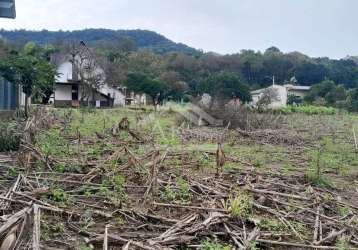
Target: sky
pixel 314 27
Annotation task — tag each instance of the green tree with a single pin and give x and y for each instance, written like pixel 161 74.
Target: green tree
pixel 224 85
pixel 145 84
pixel 327 90
pixel 352 100
pixel 35 74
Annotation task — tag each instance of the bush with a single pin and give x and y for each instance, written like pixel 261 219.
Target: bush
pixel 9 138
pixel 308 109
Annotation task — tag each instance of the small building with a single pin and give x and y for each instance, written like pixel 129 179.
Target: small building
pixel 277 96
pixel 11 96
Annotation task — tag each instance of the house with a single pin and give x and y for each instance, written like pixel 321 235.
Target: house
pixel 70 91
pixel 11 96
pixel 277 96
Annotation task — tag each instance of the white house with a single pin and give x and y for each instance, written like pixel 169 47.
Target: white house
pixel 279 94
pixel 69 91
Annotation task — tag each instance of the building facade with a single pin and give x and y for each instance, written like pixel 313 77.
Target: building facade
pixel 278 95
pixel 69 91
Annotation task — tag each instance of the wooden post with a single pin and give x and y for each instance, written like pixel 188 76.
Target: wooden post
pixel 36 234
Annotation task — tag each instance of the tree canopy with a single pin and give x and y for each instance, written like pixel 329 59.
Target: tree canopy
pixel 29 69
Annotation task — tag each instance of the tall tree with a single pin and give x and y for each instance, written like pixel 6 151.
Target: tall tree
pixel 225 85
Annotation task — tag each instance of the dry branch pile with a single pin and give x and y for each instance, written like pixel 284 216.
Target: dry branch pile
pixel 159 200
pixel 273 137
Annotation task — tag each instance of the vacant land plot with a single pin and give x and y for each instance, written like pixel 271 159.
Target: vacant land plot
pixel 139 179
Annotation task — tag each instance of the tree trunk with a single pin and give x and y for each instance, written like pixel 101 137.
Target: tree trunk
pixel 26 105
pixel 93 98
pixel 154 99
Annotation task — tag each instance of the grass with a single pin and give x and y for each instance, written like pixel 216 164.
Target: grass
pixel 272 224
pixel 214 245
pixel 9 137
pixel 242 205
pixel 181 191
pixel 59 195
pixel 337 157
pixel 308 109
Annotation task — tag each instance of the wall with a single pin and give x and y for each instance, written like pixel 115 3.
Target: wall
pixel 281 93
pixel 119 98
pixel 63 92
pixel 282 97
pixel 65 72
pixel 9 95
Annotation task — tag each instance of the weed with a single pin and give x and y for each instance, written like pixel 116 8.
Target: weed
pixel 184 189
pixel 9 138
pixel 53 143
pixel 85 248
pixel 118 194
pixel 168 194
pixel 272 224
pixel 12 172
pixel 344 211
pixel 308 109
pixel 322 181
pixel 241 206
pixel 214 245
pixel 315 173
pixel 61 168
pixel 59 195
pixel 342 244
pixel 181 192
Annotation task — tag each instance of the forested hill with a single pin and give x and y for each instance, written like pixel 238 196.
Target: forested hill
pixel 141 38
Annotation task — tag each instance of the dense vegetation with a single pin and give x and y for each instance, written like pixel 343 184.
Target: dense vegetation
pixel 234 75
pixel 149 63
pixel 141 38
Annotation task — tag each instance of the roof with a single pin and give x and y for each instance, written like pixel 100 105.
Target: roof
pixel 293 87
pixel 259 91
pixel 287 86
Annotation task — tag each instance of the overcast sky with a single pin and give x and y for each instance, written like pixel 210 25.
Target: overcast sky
pixel 314 27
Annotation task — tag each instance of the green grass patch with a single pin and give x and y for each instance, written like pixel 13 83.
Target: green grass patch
pixel 242 205
pixel 214 245
pixel 308 109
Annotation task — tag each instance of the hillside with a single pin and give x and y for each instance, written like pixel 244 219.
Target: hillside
pixel 142 38
pixel 353 58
